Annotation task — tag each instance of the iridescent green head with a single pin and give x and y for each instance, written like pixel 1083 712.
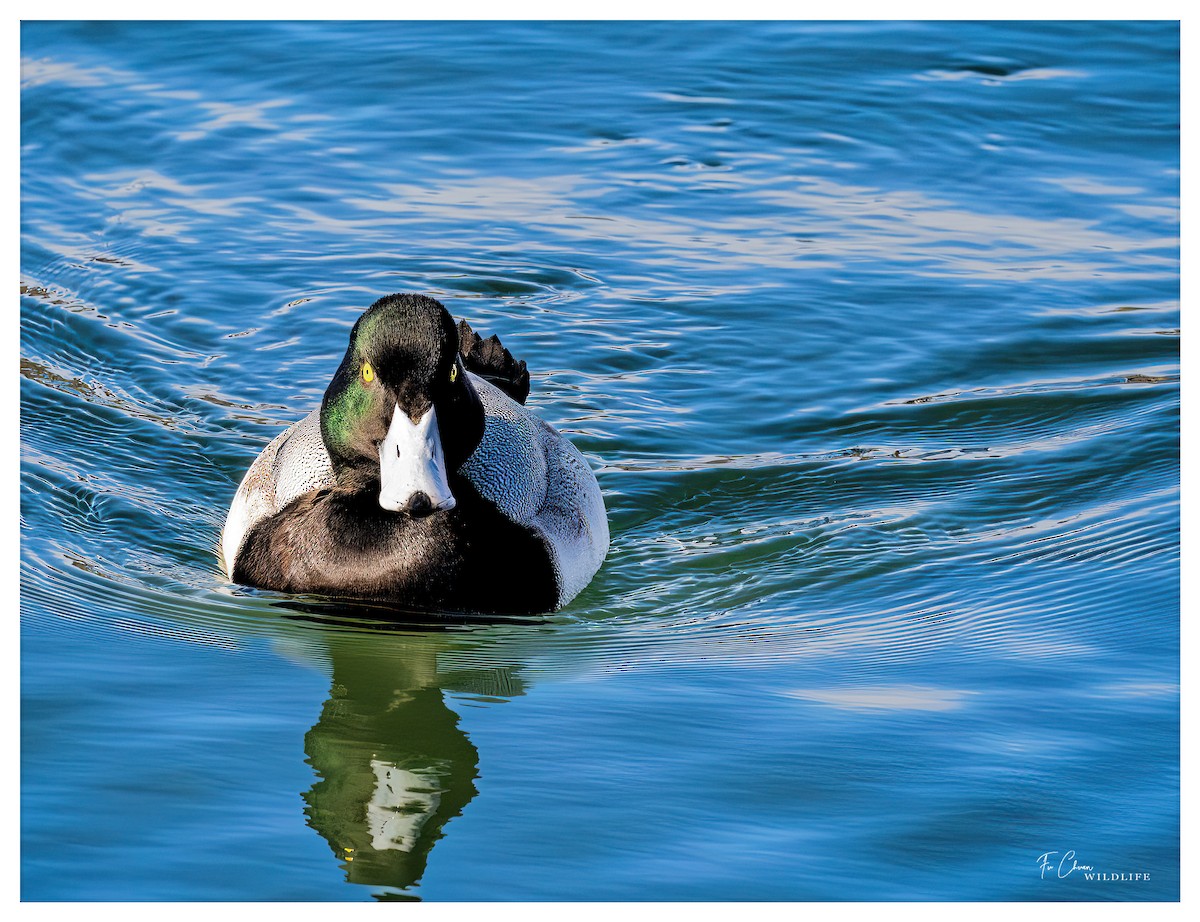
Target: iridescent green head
pixel 400 411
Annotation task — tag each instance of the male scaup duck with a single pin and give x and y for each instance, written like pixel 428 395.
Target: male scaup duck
pixel 420 481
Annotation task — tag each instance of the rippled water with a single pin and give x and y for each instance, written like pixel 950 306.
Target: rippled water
pixel 870 331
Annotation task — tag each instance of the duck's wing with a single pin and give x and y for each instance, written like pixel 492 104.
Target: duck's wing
pixel 572 515
pixel 537 478
pixel 295 463
pixel 508 466
pixel 489 360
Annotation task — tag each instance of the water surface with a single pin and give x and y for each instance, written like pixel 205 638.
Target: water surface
pixel 871 332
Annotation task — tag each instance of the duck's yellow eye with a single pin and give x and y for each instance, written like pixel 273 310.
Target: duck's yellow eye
pixel 453 372
pixel 368 372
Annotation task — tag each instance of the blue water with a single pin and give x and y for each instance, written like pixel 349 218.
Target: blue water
pixel 871 332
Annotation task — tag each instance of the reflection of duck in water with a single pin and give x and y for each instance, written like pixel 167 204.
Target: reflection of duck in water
pixel 394 766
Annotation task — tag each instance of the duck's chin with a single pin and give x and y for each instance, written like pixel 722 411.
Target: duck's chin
pixel 416 505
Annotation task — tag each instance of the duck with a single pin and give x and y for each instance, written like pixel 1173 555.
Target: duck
pixel 421 480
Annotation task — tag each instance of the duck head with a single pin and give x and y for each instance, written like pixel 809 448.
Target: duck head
pixel 400 415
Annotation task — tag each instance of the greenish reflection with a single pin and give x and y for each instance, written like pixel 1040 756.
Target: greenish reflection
pixel 394 767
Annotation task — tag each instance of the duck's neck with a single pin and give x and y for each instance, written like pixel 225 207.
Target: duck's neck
pixel 460 422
